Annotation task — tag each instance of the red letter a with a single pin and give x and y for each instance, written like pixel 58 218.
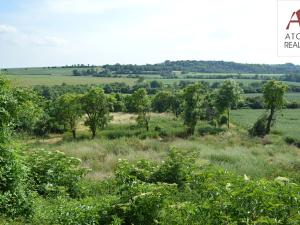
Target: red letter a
pixel 294 21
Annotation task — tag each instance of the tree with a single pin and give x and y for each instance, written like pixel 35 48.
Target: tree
pixel 29 109
pixel 175 103
pixel 96 106
pixel 70 110
pixel 156 84
pixel 141 106
pixel 161 101
pixel 209 110
pixel 273 92
pixel 191 107
pixel 227 97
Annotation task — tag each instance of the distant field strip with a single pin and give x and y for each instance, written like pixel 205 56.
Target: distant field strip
pixel 32 80
pixel 295 96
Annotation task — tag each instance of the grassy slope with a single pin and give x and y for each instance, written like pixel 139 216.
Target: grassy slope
pixel 234 150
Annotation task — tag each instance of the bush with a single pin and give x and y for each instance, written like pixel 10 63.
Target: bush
pixel 208 195
pixel 210 130
pixel 222 120
pixel 53 173
pixel 292 141
pixel 259 127
pixel 176 192
pixel 143 202
pixel 65 211
pixel 14 198
pixel 175 170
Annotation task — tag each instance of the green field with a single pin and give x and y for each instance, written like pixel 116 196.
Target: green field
pixel 288 120
pixel 294 96
pixel 53 76
pixel 32 80
pixel 244 81
pixel 40 71
pixel 226 74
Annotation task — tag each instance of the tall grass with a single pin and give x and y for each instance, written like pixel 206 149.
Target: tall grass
pixel 231 149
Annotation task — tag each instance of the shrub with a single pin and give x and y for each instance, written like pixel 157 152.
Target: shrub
pixel 222 120
pixel 14 199
pixel 175 170
pixel 259 127
pixel 53 173
pixel 292 141
pixel 65 211
pixel 142 202
pixel 210 130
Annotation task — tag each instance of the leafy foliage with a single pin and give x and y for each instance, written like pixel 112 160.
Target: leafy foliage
pixel 53 173
pixel 141 105
pixel 273 93
pixel 192 107
pixel 95 105
pixel 227 97
pixel 70 110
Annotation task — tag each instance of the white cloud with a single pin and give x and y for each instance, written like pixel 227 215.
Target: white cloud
pixel 7 29
pixel 13 36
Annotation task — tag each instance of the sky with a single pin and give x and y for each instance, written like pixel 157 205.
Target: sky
pixel 64 32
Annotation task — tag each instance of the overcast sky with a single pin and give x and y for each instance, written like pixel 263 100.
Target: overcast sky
pixel 60 32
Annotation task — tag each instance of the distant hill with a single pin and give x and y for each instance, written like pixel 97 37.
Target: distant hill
pixel 187 66
pixel 165 68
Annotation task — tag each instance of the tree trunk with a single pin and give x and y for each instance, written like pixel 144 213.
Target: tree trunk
pixel 93 133
pixel 228 118
pixel 270 118
pixel 74 133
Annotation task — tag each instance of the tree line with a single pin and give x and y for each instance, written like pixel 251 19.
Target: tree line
pixel 193 103
pixel 187 66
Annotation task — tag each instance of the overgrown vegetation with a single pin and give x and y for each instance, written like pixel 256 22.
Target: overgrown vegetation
pixel 182 166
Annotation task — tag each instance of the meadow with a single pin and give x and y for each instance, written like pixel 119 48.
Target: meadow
pixel 233 150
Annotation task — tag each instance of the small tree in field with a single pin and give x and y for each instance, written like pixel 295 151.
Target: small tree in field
pixel 191 107
pixel 70 110
pixel 273 93
pixel 141 105
pixel 96 106
pixel 175 104
pixel 161 101
pixel 228 96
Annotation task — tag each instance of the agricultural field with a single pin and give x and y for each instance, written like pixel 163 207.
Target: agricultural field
pixel 40 71
pixel 50 80
pixel 290 96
